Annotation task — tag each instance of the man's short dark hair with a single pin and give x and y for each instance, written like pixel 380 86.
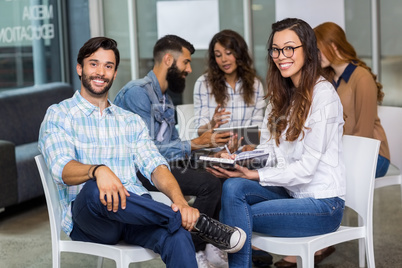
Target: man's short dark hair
pixel 171 43
pixel 93 44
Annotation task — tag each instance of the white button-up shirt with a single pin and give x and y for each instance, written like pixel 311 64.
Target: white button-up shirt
pixel 313 166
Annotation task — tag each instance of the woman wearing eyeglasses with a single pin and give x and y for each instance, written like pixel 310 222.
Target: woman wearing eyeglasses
pixel 303 193
pixel 356 86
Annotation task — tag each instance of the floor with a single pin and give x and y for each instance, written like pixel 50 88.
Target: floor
pixel 25 238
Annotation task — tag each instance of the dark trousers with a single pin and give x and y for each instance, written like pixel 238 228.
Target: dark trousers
pixel 144 222
pixel 196 182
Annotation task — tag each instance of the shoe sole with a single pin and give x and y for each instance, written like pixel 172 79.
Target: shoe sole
pixel 239 244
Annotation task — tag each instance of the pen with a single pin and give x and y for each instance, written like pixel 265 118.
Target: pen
pixel 227 149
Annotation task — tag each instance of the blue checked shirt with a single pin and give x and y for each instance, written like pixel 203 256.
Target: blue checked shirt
pixel 241 114
pixel 76 130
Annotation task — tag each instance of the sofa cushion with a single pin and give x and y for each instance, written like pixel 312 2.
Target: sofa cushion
pixel 8 173
pixel 22 110
pixel 29 183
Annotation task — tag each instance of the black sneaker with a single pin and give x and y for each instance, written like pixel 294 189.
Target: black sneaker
pixel 225 237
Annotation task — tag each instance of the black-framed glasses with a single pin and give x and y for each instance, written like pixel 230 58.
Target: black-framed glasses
pixel 287 51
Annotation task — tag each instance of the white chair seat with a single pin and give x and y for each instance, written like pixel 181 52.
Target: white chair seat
pixel 123 254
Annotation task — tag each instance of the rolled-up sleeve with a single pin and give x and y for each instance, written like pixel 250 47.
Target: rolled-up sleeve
pixel 55 142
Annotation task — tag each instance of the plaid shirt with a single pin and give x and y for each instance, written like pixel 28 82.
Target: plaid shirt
pixel 76 130
pixel 241 114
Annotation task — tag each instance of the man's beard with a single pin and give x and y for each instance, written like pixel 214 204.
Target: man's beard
pixel 86 81
pixel 175 79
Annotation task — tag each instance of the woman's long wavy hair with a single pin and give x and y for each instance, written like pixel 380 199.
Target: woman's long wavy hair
pixel 329 35
pixel 232 41
pixel 291 104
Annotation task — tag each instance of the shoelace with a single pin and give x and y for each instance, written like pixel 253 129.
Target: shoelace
pixel 216 231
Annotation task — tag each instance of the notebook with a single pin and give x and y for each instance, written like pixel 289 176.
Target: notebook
pixel 251 159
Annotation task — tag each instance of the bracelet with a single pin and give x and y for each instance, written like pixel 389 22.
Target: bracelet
pixel 93 171
pixel 89 170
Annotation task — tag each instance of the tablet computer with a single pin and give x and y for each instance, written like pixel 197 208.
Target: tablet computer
pixel 249 133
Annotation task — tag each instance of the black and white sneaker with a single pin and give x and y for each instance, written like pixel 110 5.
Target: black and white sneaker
pixel 225 237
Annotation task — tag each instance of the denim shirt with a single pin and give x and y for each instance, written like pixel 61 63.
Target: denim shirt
pixel 144 97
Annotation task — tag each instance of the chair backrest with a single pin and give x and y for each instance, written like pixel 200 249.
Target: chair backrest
pixel 391 120
pixel 52 200
pixel 185 121
pixel 360 156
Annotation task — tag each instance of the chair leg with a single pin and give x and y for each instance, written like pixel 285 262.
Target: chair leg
pixel 362 246
pixel 362 252
pixel 299 262
pixel 305 261
pixel 100 262
pixel 370 252
pixel 55 258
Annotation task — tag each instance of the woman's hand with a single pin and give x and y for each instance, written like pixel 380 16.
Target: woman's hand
pixel 234 143
pixel 220 117
pixel 240 172
pixel 248 147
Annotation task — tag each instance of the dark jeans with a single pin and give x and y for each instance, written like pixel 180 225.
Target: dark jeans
pixel 382 166
pixel 196 182
pixel 144 222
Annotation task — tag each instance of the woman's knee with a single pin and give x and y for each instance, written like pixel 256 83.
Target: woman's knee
pixel 233 187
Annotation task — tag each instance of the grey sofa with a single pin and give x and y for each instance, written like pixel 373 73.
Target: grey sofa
pixel 21 113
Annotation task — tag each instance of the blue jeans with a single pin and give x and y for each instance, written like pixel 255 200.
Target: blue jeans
pixel 382 166
pixel 197 182
pixel 270 210
pixel 144 222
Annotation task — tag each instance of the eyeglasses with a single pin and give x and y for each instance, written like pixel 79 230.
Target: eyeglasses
pixel 286 51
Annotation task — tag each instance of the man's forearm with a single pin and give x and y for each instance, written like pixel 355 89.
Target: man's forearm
pixel 75 173
pixel 166 183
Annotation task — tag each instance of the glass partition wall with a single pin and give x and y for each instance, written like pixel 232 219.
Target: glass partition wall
pixel 39 38
pixel 31 47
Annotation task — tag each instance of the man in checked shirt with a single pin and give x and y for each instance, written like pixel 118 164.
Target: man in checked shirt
pixel 93 150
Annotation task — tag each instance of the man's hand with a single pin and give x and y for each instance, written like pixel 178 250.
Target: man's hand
pixel 189 215
pixel 167 184
pixel 110 187
pixel 211 139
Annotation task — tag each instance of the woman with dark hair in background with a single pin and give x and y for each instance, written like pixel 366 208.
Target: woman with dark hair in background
pixel 357 87
pixel 229 93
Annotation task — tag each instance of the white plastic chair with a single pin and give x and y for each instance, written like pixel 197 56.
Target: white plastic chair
pixel 185 121
pixel 122 254
pixel 391 120
pixel 361 160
